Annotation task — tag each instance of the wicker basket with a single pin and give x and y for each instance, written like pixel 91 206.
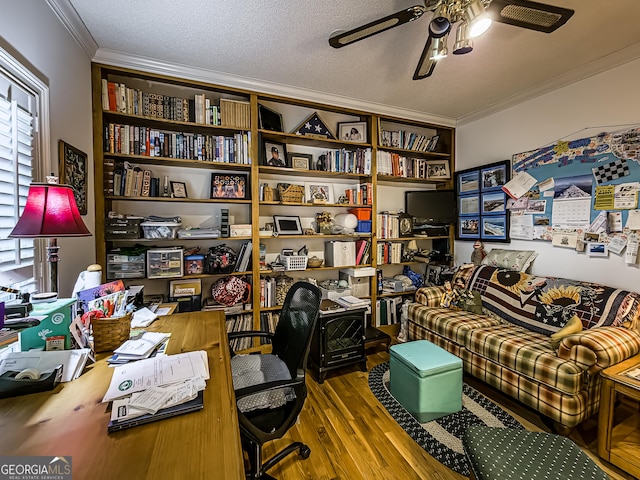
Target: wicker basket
pixel 291 194
pixel 110 333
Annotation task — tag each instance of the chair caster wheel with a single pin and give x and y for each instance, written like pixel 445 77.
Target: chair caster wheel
pixel 305 452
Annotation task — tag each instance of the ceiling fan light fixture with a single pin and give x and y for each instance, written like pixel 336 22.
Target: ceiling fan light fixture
pixel 463 44
pixel 477 18
pixel 441 22
pixel 439 48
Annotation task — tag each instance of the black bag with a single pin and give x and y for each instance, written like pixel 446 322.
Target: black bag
pixel 220 259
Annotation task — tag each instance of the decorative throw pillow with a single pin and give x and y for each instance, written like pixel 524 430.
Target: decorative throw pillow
pixel 519 260
pixel 574 325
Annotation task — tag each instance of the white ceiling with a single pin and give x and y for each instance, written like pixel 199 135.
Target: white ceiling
pixel 285 43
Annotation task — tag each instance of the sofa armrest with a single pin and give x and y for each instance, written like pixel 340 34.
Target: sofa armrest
pixel 600 347
pixel 430 296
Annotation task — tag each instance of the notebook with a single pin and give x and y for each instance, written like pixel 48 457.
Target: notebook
pixel 187 407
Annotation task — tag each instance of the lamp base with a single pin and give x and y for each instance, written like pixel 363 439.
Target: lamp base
pixel 44 297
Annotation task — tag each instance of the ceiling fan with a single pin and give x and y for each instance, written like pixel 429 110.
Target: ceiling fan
pixel 473 17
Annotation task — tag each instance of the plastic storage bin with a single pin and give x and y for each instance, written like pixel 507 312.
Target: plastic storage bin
pixel 121 265
pixel 361 213
pixel 160 230
pixel 164 263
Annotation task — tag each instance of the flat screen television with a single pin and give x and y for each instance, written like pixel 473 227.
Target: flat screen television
pixel 431 207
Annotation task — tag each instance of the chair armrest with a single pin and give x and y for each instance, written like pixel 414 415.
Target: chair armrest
pixel 267 386
pixel 249 333
pixel 430 296
pixel 599 348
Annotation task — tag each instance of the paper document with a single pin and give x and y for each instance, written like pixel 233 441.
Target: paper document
pixel 157 371
pixel 143 318
pixel 519 185
pixel 142 346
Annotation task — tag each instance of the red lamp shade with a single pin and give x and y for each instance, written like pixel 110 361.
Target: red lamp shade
pixel 51 211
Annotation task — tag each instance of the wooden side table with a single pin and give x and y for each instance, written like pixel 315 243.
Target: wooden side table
pixel 619 443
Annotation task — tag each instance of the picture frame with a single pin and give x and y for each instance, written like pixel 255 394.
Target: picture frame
pixel 275 155
pixel 72 171
pixel 469 227
pixel 313 126
pixel 353 131
pixel 178 190
pixel 468 182
pixel 230 185
pixel 300 161
pixel 438 169
pixel 493 177
pixel 287 225
pixel 318 192
pixel 468 205
pixel 494 202
pixel 269 119
pixel 597 249
pixel 494 227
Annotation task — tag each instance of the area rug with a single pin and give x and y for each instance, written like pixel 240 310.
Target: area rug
pixel 442 438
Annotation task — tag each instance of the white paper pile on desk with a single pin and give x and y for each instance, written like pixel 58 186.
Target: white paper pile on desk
pixel 72 361
pixel 350 301
pixel 155 385
pixel 144 346
pixel 143 318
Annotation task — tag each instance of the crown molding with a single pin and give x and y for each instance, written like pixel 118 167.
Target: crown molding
pixel 74 24
pixel 577 74
pixel 124 60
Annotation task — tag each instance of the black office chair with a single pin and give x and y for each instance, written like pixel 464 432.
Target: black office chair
pixel 270 388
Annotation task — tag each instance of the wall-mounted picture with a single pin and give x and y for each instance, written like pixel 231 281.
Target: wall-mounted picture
pixel 287 225
pixel 300 161
pixel 318 192
pixel 178 190
pixel 597 249
pixel 579 186
pixel 493 177
pixel 494 202
pixel 494 228
pixel 275 155
pixel 468 182
pixel 438 169
pixel 536 206
pixel 469 227
pixel 353 131
pixel 73 171
pixel 269 119
pixel 469 205
pixel 230 185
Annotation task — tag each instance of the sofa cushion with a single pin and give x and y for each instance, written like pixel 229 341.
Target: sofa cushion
pixel 527 353
pixel 545 304
pixel 518 260
pixel 452 324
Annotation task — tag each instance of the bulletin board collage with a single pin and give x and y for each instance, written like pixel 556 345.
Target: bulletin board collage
pixel 580 194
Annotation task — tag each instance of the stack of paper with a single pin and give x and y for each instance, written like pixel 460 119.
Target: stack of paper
pixel 143 318
pixel 139 348
pixel 350 301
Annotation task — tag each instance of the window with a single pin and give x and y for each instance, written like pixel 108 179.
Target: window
pixel 22 99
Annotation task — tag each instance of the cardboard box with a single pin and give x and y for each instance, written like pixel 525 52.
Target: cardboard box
pixel 339 254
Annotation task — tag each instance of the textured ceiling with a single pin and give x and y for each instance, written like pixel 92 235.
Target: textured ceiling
pixel 285 42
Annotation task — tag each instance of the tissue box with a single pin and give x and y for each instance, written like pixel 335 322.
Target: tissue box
pixel 339 254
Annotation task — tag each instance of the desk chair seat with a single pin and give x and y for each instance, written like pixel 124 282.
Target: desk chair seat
pixel 270 388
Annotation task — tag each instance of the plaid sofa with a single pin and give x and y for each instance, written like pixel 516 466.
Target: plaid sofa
pixel 508 346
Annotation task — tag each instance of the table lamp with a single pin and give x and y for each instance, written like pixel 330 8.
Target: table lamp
pixel 50 212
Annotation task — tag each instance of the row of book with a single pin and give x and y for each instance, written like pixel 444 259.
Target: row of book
pixel 346 161
pixel 362 194
pixel 396 165
pixel 134 140
pixel 243 262
pixel 268 292
pixel 389 252
pixel 388 311
pixel 388 225
pixel 126 180
pixel 363 251
pixel 408 140
pixel 117 97
pixel 240 323
pixel 268 322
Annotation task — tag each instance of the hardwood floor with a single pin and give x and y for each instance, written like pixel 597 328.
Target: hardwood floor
pixel 352 436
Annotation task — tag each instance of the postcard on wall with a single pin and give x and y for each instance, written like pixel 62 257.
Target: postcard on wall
pixel 564 239
pixel 599 225
pixel 604 198
pixel 633 220
pixel 522 227
pixel 519 204
pixel 615 221
pixel 519 185
pixel 547 184
pixel 625 196
pixel 617 244
pixel 536 206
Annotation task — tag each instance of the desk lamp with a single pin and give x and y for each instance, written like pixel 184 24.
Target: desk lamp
pixel 50 212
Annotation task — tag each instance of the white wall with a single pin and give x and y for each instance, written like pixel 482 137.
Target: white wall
pixel 31 29
pixel 598 104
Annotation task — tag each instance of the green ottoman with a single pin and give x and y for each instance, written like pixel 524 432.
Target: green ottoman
pixel 506 454
pixel 425 379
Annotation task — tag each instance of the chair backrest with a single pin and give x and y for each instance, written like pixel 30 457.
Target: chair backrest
pixel 292 338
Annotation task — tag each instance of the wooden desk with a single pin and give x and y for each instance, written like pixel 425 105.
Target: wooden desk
pixel 619 443
pixel 71 420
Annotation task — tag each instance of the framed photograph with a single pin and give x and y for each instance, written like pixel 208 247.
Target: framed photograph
pixel 275 155
pixel 438 169
pixel 269 119
pixel 178 190
pixel 494 202
pixel 469 227
pixel 72 171
pixel 597 249
pixel 468 182
pixel 494 228
pixel 230 185
pixel 287 225
pixel 300 161
pixel 469 205
pixel 353 131
pixel 318 192
pixel 494 176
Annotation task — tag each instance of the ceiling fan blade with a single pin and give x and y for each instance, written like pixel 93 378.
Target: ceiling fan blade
pixel 377 26
pixel 527 14
pixel 425 65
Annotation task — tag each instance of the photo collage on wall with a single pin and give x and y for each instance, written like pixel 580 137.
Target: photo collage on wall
pixel 482 204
